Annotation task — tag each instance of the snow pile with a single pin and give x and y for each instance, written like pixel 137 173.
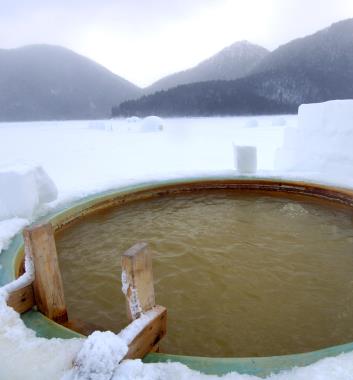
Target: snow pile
pixel 152 124
pixel 338 368
pixel 136 125
pixel 25 356
pixel 102 352
pixel 279 122
pixel 133 119
pixel 98 358
pixel 100 125
pixel 23 189
pixel 251 123
pixel 322 142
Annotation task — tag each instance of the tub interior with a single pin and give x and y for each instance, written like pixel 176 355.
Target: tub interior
pixel 242 273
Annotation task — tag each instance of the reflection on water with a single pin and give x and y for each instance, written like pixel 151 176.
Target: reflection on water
pixel 241 275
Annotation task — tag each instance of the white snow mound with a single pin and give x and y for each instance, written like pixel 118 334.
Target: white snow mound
pixel 100 125
pixel 40 358
pixel 23 189
pixel 133 119
pixel 98 358
pixel 251 123
pixel 279 122
pixel 152 124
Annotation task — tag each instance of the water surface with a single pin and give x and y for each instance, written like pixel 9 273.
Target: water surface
pixel 241 275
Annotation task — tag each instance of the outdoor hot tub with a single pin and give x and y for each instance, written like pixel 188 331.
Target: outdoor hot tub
pixel 212 205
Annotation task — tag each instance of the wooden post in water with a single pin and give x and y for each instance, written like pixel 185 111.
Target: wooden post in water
pixel 138 287
pixel 47 285
pixel 137 279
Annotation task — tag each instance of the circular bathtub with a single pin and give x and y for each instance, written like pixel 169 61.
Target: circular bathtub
pixel 11 261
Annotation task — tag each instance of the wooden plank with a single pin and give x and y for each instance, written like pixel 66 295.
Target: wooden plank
pixel 147 340
pixel 137 279
pixel 21 300
pixel 47 285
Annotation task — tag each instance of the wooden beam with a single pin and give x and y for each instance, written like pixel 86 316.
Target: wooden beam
pixel 47 285
pixel 148 338
pixel 21 300
pixel 137 279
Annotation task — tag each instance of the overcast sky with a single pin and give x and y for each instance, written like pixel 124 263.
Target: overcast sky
pixel 143 40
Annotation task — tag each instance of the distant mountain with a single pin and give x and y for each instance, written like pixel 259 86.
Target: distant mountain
pixel 233 62
pixel 314 68
pixel 44 82
pixel 311 69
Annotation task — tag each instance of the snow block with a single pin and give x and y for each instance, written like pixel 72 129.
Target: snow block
pixel 152 124
pixel 23 189
pixel 245 159
pixel 334 116
pixel 323 140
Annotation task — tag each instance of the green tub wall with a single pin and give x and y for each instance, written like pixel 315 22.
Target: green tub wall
pixel 44 327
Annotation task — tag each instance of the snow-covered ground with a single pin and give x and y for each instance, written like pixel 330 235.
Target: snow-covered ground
pixel 85 157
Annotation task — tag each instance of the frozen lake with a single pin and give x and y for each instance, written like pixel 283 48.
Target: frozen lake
pixel 82 157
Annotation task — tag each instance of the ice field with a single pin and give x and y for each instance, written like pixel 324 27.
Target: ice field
pixel 57 162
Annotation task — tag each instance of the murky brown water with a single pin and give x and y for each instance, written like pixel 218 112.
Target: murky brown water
pixel 241 275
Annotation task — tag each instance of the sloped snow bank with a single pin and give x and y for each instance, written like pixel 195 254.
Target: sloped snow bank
pixel 322 141
pixel 25 356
